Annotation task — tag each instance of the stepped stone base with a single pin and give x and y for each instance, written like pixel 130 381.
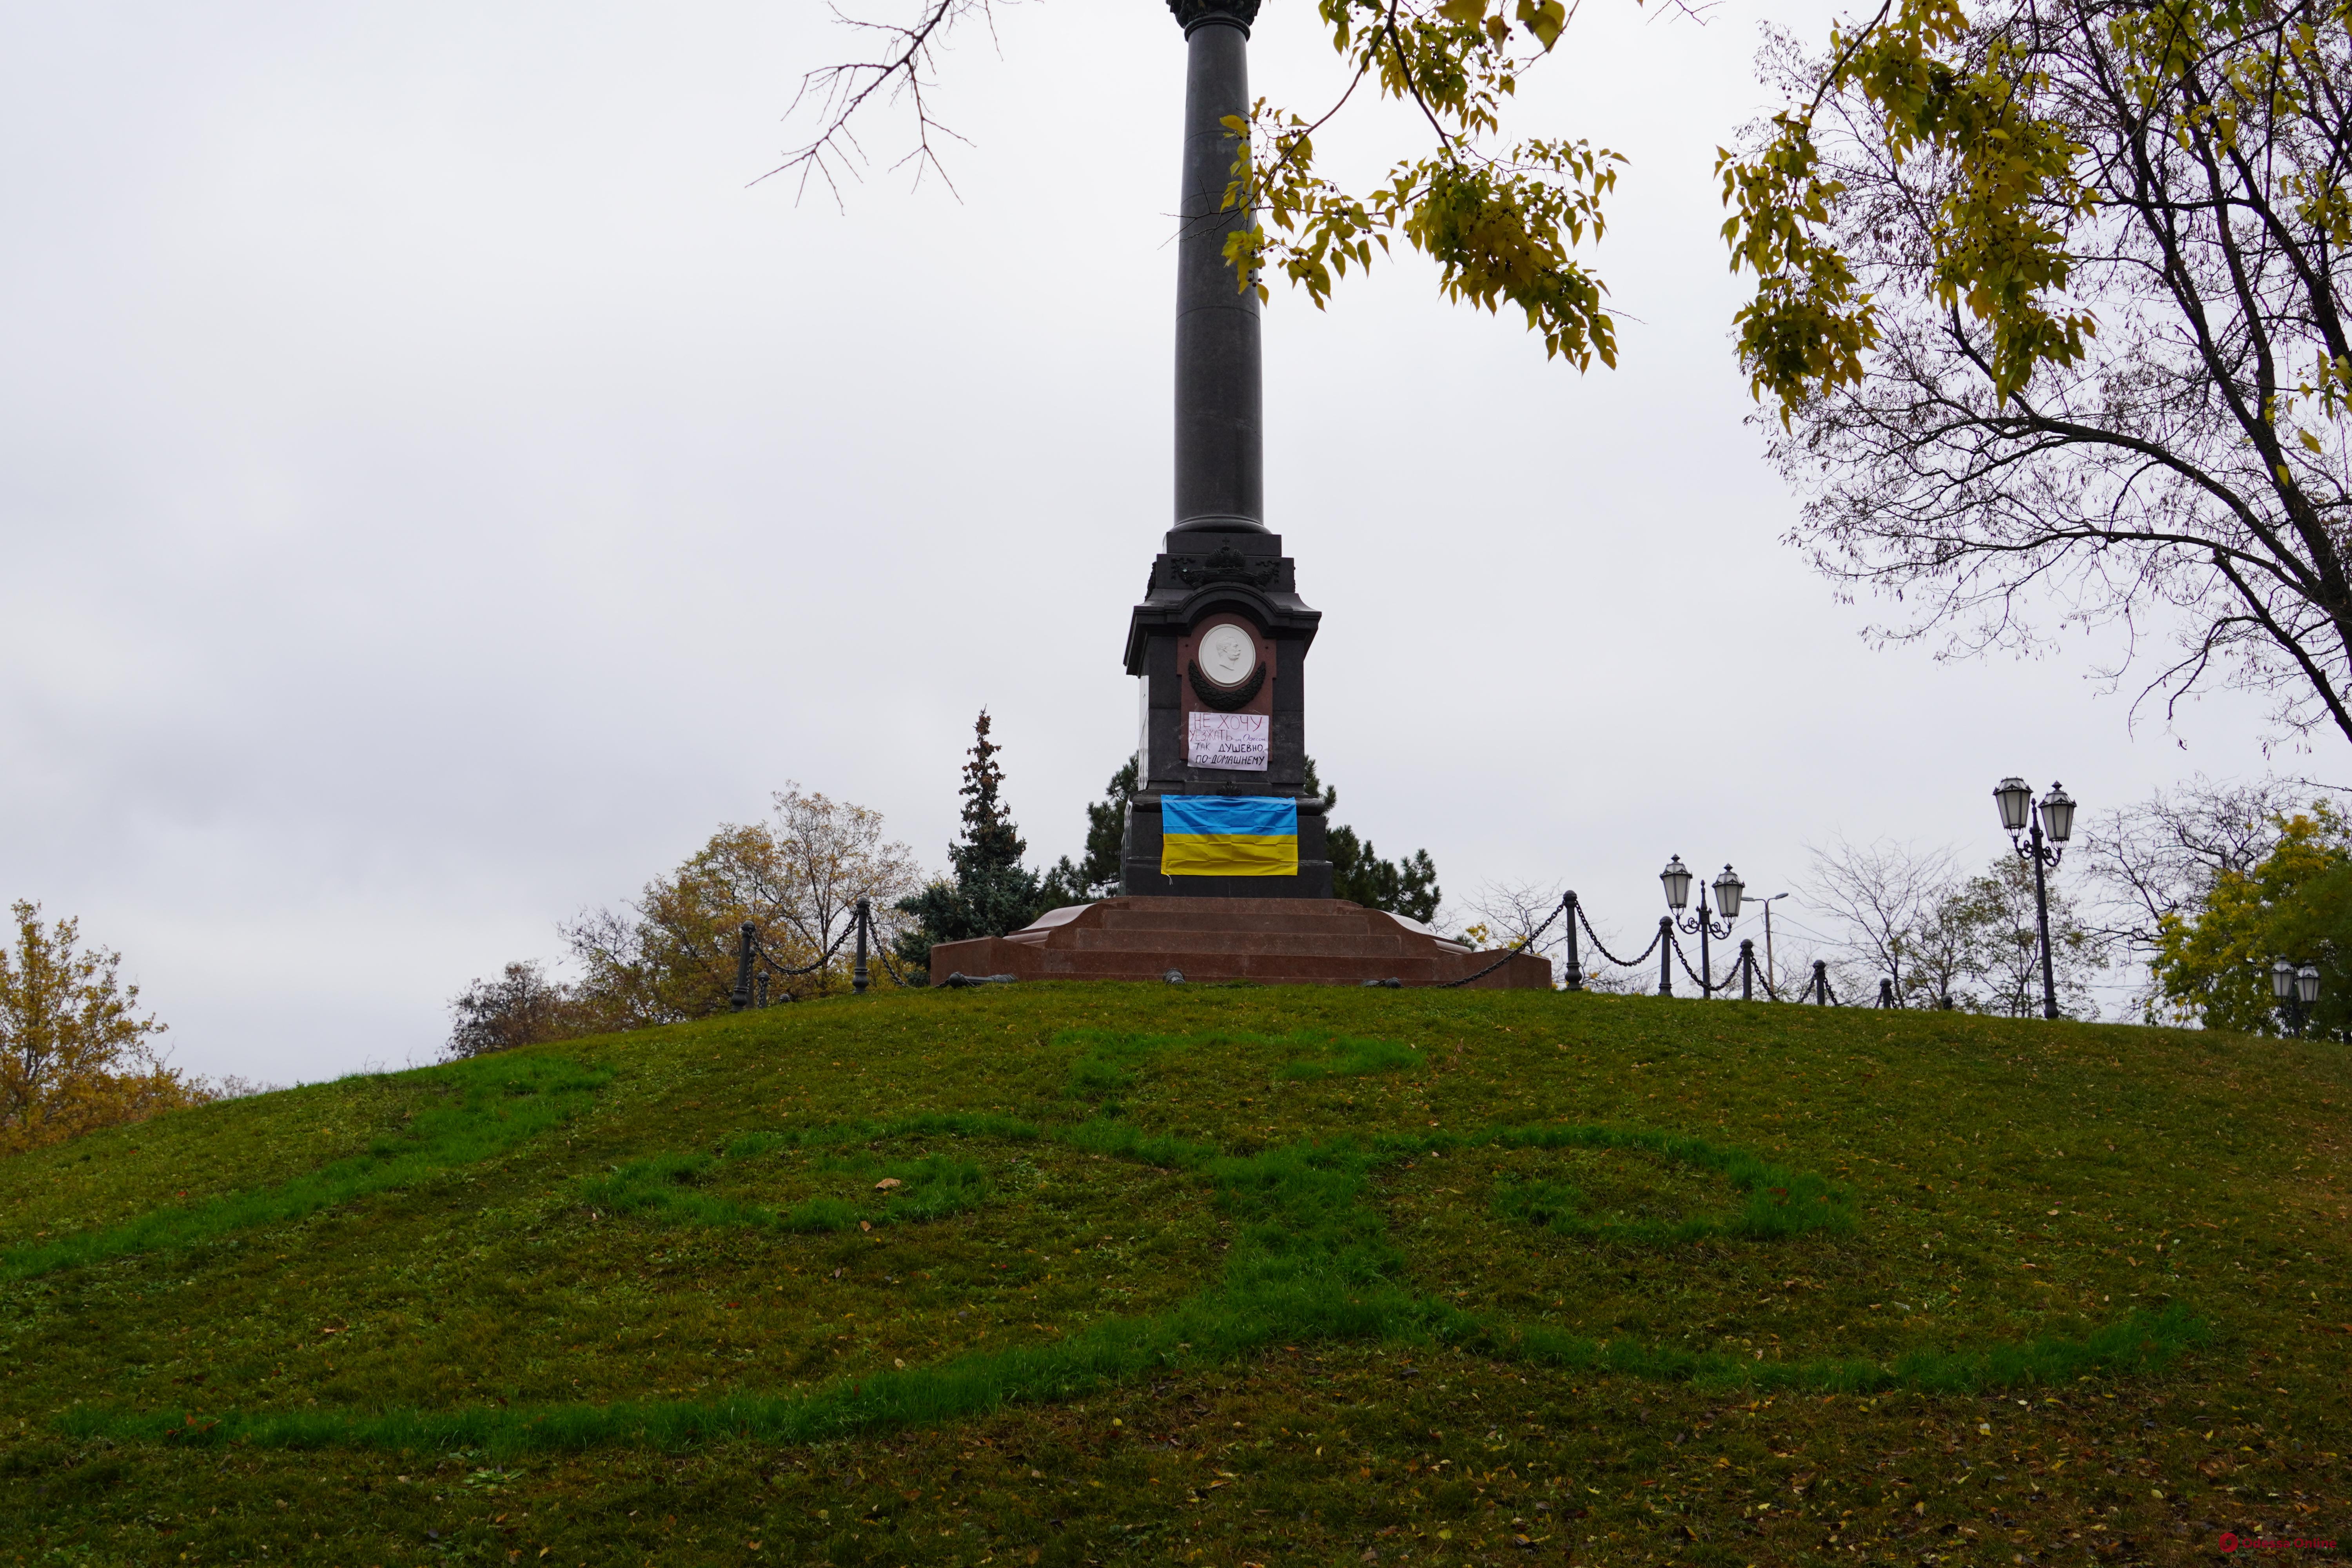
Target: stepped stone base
pixel 1280 941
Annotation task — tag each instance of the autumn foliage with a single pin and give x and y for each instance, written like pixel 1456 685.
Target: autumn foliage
pixel 74 1051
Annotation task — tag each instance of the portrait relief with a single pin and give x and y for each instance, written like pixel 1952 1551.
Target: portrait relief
pixel 1227 654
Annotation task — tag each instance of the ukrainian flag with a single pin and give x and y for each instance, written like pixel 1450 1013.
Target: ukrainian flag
pixel 1228 835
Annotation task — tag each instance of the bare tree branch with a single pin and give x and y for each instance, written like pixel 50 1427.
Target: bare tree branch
pixel 2191 478
pixel 899 74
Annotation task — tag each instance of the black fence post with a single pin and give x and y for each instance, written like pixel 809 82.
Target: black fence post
pixel 1574 973
pixel 1747 969
pixel 1665 956
pixel 764 988
pixel 1821 983
pixel 742 997
pixel 858 978
pixel 1885 992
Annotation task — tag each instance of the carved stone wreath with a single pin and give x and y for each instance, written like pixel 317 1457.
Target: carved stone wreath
pixel 1224 699
pixel 1228 565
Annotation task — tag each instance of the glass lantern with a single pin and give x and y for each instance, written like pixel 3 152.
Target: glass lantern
pixel 1727 888
pixel 2015 798
pixel 2058 814
pixel 1676 877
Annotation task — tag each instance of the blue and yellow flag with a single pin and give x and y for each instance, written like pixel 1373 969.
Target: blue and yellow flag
pixel 1228 835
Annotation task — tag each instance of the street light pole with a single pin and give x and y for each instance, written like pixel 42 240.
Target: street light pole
pixel 1676 879
pixel 2042 919
pixel 2021 814
pixel 1770 972
pixel 2296 988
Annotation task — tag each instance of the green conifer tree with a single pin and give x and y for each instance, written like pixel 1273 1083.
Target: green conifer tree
pixel 992 892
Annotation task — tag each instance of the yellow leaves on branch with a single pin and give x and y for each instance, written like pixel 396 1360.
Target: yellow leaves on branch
pixel 1500 225
pixel 1545 19
pixel 1497 231
pixel 1809 324
pixel 1999 236
pixel 1930 87
pixel 1351 20
pixel 1500 229
pixel 73 1049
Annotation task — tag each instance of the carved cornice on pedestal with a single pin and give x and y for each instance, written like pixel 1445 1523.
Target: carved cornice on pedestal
pixel 1229 566
pixel 1191 13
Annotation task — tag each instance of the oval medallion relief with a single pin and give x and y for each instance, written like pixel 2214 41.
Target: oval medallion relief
pixel 1227 654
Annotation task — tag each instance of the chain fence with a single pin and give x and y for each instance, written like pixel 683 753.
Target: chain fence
pixel 1747 975
pixel 754 965
pixel 1514 949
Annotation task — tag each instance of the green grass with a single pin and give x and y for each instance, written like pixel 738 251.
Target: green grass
pixel 487 1107
pixel 1103 1273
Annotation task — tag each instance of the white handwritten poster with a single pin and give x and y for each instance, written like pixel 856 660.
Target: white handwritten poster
pixel 1237 741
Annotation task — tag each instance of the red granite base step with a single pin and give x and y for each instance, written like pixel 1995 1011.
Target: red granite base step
pixel 1278 941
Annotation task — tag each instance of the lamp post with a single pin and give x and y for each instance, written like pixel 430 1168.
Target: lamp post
pixel 1676 879
pixel 1771 975
pixel 2053 814
pixel 2296 988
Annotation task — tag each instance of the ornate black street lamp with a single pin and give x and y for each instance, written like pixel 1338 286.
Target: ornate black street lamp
pixel 1676 879
pixel 2020 814
pixel 2296 989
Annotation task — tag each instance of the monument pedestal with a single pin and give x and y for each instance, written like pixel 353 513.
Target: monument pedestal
pixel 1205 583
pixel 1275 941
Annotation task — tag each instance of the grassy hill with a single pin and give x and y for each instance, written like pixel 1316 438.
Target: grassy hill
pixel 1097 1274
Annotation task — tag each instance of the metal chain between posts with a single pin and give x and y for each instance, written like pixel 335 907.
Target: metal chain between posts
pixel 1533 937
pixel 751 952
pixel 1745 962
pixel 1818 989
pixel 779 970
pixel 1706 988
pixel 861 925
pixel 1601 948
pixel 882 952
pixel 1744 967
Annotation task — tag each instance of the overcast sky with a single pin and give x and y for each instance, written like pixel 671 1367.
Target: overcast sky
pixel 439 485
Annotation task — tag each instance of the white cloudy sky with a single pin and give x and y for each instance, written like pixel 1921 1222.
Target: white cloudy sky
pixel 437 486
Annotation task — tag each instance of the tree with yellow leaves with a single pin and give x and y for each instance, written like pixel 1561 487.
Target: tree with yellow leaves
pixel 74 1051
pixel 2213 964
pixel 670 954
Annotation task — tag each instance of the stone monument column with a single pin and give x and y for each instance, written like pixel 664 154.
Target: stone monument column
pixel 1222 634
pixel 1218 644
pixel 1220 413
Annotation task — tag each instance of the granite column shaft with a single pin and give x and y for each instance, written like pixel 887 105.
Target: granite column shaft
pixel 1220 413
